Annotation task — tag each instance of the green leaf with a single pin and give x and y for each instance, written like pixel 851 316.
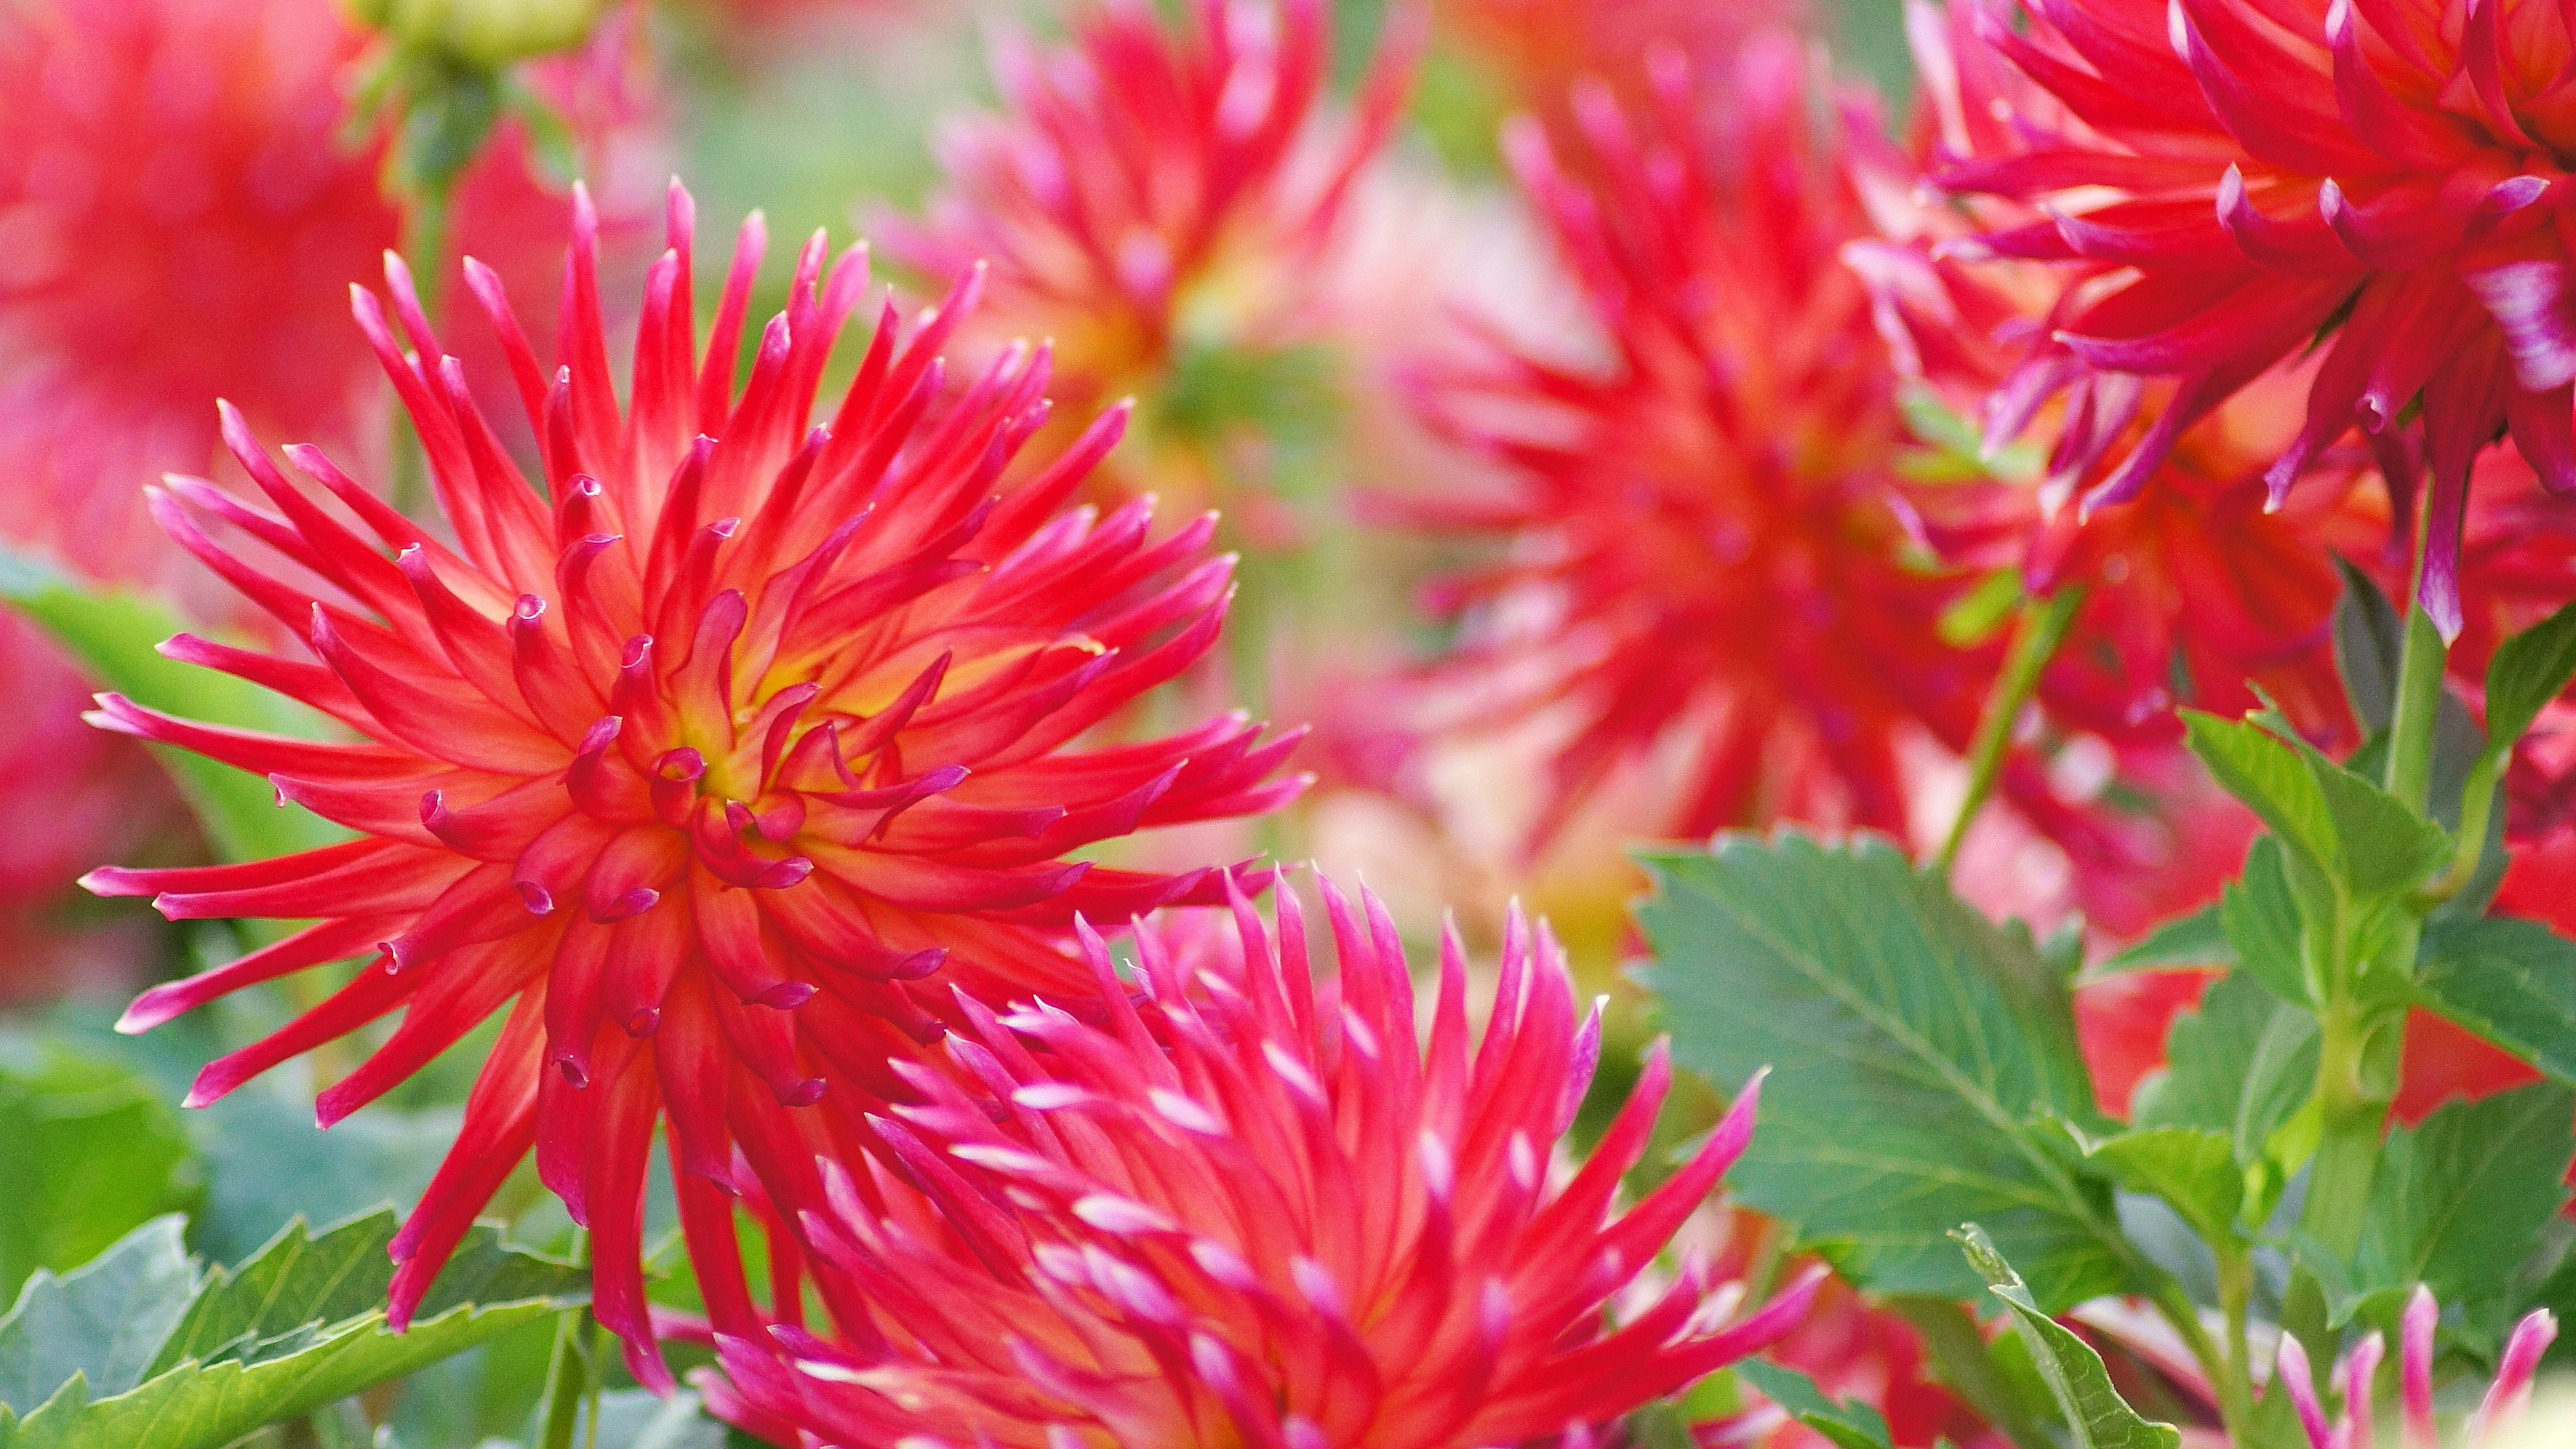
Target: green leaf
pixel 2358 834
pixel 2259 911
pixel 2241 1065
pixel 2510 981
pixel 2368 643
pixel 642 1419
pixel 2192 1168
pixel 93 1152
pixel 1847 1425
pixel 2526 672
pixel 2094 1410
pixel 100 1321
pixel 2459 1200
pixel 2197 939
pixel 116 636
pixel 1914 1046
pixel 298 1326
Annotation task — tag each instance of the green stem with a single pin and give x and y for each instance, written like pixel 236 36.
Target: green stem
pixel 2043 628
pixel 570 1371
pixel 2236 1376
pixel 2419 701
pixel 2357 1053
pixel 2477 814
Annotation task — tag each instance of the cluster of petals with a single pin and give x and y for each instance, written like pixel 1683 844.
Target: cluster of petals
pixel 1706 541
pixel 1251 1207
pixel 2193 585
pixel 2222 184
pixel 713 760
pixel 1156 183
pixel 2352 1376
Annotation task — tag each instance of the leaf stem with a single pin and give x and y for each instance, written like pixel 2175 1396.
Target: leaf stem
pixel 2357 1052
pixel 571 1370
pixel 2419 701
pixel 2236 1376
pixel 2042 629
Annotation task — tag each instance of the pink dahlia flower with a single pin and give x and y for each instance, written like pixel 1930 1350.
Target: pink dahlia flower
pixel 2223 184
pixel 1707 547
pixel 715 762
pixel 1157 185
pixel 1249 1209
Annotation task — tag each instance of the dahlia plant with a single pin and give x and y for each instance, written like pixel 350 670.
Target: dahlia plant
pixel 2108 986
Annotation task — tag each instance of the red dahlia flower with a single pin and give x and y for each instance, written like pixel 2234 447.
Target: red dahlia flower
pixel 1250 1210
pixel 1154 189
pixel 1706 544
pixel 2223 182
pixel 161 149
pixel 700 760
pixel 2193 585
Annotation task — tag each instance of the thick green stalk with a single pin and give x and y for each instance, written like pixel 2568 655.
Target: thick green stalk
pixel 2043 628
pixel 2358 1044
pixel 2419 701
pixel 2236 1376
pixel 2356 1078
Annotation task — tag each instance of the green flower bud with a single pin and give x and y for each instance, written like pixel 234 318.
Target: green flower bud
pixel 490 33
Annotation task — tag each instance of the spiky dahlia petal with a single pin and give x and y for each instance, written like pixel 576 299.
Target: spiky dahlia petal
pixel 716 762
pixel 1249 1206
pixel 2504 1401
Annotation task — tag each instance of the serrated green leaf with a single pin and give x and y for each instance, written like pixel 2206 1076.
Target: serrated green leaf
pixel 298 1326
pixel 1913 1047
pixel 93 1152
pixel 2358 834
pixel 100 1321
pixel 2510 981
pixel 2259 912
pixel 2459 1199
pixel 2197 939
pixel 2526 672
pixel 1847 1425
pixel 116 634
pixel 2240 1064
pixel 2096 1414
pixel 2192 1168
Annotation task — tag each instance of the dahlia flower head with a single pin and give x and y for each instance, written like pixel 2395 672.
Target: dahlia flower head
pixel 1156 185
pixel 154 149
pixel 2194 585
pixel 2222 184
pixel 1249 1207
pixel 1706 543
pixel 2502 1405
pixel 716 764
